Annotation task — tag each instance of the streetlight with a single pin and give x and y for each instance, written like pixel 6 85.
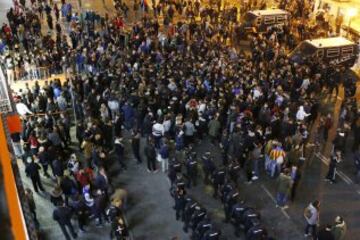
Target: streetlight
pixel 351 12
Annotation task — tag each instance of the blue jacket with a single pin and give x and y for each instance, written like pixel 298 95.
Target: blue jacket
pixel 164 151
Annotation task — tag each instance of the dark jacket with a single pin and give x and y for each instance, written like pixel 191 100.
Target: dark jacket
pixel 32 170
pixel 150 152
pixel 62 215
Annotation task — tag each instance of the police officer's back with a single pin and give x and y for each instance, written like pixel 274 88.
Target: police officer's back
pixel 192 170
pixel 198 215
pixel 212 234
pixel 218 179
pixel 203 226
pixel 189 209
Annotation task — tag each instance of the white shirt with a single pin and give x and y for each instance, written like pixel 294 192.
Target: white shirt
pixel 22 109
pixel 158 130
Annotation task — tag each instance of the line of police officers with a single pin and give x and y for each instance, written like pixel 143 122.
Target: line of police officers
pixel 224 182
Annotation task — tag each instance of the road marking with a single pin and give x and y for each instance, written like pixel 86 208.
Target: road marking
pixel 273 199
pixel 342 175
pixel 358 191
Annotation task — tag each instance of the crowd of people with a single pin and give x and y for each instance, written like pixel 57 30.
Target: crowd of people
pixel 175 83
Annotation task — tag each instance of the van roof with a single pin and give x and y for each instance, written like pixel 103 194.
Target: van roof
pixel 330 42
pixel 269 12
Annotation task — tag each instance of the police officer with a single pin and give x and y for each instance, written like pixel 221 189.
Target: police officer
pixel 208 167
pixel 188 212
pixel 233 170
pixel 257 233
pixel 179 183
pixel 201 228
pixel 225 189
pixel 230 200
pixel 250 218
pixel 198 215
pixel 180 202
pixel 218 179
pixel 174 169
pixel 212 234
pixel 192 170
pixel 236 214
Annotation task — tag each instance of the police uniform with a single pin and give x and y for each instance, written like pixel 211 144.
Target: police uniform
pixel 178 183
pixel 175 168
pixel 218 180
pixel 233 170
pixel 188 212
pixel 230 201
pixel 250 218
pixel 236 214
pixel 257 233
pixel 192 171
pixel 208 167
pixel 212 234
pixel 225 189
pixel 201 228
pixel 198 215
pixel 180 203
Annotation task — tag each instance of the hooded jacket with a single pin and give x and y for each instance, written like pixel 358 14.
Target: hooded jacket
pixel 339 230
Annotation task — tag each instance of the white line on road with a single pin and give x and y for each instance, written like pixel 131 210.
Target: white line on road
pixel 358 191
pixel 273 199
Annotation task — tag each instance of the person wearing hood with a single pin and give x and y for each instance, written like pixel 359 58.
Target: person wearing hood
pixel 339 229
pixel 301 114
pixel 312 215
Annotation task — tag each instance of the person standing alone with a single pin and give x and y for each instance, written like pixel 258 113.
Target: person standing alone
pixel 311 214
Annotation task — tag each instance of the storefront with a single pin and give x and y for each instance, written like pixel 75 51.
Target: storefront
pixel 344 14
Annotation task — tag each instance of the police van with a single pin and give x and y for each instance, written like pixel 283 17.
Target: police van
pixel 262 20
pixel 334 51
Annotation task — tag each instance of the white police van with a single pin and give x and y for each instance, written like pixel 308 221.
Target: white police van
pixel 333 51
pixel 262 20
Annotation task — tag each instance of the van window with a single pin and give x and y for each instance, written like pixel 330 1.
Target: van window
pixel 258 21
pixel 268 20
pixel 280 19
pixel 332 52
pixel 347 50
pixel 320 53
